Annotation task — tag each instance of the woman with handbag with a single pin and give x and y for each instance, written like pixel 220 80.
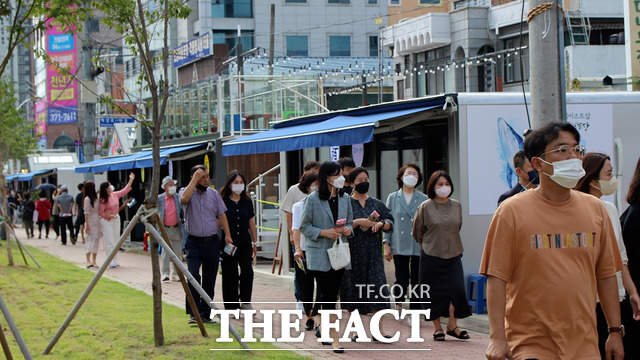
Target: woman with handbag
pixel 326 217
pixel 371 217
pixel 436 227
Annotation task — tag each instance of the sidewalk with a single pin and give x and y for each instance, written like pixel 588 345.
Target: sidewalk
pixel 135 271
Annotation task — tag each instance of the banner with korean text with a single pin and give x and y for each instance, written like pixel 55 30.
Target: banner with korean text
pixel 62 88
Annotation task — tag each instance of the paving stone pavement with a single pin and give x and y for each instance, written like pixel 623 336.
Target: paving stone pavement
pixel 135 271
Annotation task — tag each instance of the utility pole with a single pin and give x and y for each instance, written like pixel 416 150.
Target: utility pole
pixel 364 89
pixel 239 53
pixel 546 49
pixel 89 108
pixel 380 66
pixel 272 37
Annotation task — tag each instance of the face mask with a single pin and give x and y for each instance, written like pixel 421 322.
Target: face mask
pixel 313 188
pixel 111 188
pixel 566 173
pixel 410 180
pixel 237 188
pixel 443 192
pixel 608 187
pixel 339 182
pixel 362 188
pixel 201 187
pixel 172 190
pixel 533 177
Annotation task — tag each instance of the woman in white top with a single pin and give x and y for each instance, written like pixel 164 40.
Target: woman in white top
pixel 304 278
pixel 598 181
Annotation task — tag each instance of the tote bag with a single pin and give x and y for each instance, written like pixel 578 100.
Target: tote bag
pixel 35 216
pixel 339 254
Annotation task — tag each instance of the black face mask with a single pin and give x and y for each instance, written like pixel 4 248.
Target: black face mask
pixel 362 188
pixel 201 187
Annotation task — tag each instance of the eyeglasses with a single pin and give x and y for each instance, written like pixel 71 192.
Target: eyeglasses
pixel 579 150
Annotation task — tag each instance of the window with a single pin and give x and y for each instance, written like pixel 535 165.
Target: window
pixel 339 46
pixel 394 2
pixel 339 1
pixel 372 1
pixel 373 46
pixel 295 1
pixel 423 2
pixel 94 25
pixel 297 46
pixel 232 8
pixel 229 37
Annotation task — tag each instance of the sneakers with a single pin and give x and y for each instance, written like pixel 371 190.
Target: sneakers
pixel 175 278
pixel 299 306
pixel 209 321
pixel 246 306
pixel 192 320
pixel 165 277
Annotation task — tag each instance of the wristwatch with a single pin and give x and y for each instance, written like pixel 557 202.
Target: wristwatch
pixel 617 329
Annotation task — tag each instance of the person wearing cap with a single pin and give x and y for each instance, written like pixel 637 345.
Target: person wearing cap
pixel 170 211
pixel 64 203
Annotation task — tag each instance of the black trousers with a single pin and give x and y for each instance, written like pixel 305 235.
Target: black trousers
pixel 328 288
pixel 630 339
pixel 56 224
pixel 66 222
pixel 46 226
pixel 232 281
pixel 79 222
pixel 407 273
pixel 205 254
pixel 306 284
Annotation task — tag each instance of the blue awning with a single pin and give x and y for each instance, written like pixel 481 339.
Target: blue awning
pixel 147 161
pixel 341 128
pixel 111 163
pixel 11 177
pixel 28 176
pixel 142 159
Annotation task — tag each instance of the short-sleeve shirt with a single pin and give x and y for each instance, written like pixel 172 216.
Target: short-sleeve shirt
pixel 551 255
pixel 293 196
pixel 296 213
pixel 80 203
pixel 202 211
pixel 238 215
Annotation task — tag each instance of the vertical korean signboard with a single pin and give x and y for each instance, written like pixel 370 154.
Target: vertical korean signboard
pixel 41 124
pixel 62 89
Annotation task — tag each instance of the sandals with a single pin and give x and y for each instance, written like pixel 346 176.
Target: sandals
pixel 463 335
pixel 438 335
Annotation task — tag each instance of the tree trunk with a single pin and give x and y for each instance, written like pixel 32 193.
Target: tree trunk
pixel 4 214
pixel 156 286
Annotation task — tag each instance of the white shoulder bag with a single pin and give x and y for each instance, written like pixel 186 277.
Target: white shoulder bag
pixel 339 254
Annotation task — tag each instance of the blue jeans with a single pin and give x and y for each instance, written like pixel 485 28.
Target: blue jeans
pixel 205 254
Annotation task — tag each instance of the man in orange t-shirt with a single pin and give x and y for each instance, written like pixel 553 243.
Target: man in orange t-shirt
pixel 548 253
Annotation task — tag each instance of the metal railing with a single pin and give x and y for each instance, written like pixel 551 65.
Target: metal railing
pixel 267 212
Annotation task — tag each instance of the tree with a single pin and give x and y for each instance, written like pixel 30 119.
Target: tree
pixel 138 20
pixel 16 142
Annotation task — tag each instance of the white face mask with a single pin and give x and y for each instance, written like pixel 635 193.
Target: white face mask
pixel 111 188
pixel 172 190
pixel 237 188
pixel 339 182
pixel 313 188
pixel 566 173
pixel 410 180
pixel 608 187
pixel 443 192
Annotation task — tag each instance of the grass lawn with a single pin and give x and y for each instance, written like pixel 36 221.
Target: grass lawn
pixel 114 323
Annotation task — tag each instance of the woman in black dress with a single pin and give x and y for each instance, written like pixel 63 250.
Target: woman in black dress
pixel 236 289
pixel 367 267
